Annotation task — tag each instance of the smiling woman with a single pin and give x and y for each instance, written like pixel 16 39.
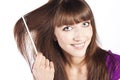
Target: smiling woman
pixel 74 39
pixel 65 36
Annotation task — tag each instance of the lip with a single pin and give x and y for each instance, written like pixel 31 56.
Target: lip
pixel 79 46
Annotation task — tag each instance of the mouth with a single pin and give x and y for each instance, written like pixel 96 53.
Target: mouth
pixel 79 46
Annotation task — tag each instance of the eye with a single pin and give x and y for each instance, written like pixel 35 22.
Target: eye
pixel 85 24
pixel 67 28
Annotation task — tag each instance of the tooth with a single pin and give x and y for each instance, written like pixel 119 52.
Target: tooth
pixel 79 45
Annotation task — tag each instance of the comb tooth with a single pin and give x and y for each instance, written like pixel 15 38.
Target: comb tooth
pixel 30 35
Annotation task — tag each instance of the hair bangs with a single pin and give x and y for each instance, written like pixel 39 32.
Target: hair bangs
pixel 69 14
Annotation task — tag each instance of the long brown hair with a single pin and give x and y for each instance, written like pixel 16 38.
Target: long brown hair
pixel 41 23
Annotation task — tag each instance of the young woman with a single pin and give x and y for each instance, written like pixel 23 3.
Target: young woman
pixel 65 36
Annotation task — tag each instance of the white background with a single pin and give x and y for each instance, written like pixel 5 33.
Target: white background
pixel 12 64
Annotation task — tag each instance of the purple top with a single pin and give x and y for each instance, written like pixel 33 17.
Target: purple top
pixel 113 65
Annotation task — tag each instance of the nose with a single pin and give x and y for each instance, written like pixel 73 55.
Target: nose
pixel 78 35
pixel 77 39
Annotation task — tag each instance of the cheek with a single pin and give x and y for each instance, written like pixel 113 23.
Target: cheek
pixel 89 33
pixel 62 39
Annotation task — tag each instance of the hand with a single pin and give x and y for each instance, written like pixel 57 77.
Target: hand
pixel 43 69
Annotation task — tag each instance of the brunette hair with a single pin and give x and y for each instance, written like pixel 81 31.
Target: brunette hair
pixel 41 23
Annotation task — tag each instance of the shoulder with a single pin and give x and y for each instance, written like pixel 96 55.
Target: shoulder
pixel 113 65
pixel 112 56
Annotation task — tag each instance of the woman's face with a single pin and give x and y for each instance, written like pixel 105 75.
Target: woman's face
pixel 74 39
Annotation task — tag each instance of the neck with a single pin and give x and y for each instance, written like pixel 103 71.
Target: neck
pixel 75 61
pixel 76 73
pixel 76 68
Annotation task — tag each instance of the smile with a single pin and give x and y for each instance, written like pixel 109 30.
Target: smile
pixel 79 45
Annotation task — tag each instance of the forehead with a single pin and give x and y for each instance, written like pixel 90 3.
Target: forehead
pixel 86 22
pixel 69 14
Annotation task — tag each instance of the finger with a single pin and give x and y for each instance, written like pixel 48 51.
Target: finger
pixel 51 65
pixel 42 63
pixel 38 60
pixel 47 63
